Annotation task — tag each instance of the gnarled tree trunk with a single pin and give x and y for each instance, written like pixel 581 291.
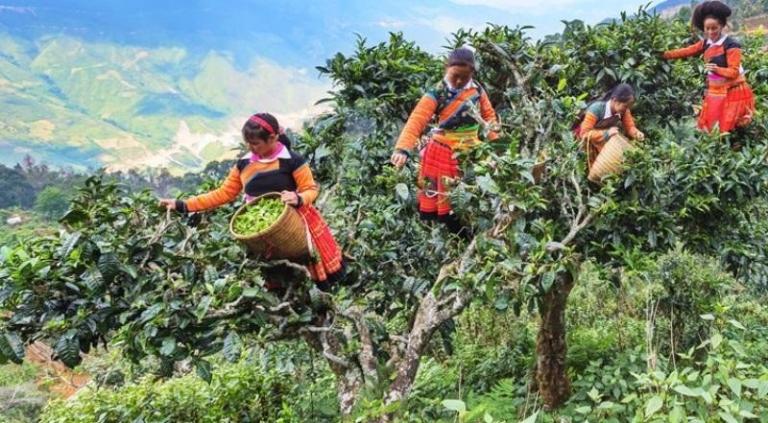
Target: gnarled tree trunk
pixel 551 378
pixel 427 320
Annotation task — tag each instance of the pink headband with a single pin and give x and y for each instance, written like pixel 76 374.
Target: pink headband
pixel 263 123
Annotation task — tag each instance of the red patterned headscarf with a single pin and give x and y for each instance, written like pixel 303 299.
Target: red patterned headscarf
pixel 263 123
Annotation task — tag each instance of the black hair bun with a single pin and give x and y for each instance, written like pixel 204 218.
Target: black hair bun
pixel 713 8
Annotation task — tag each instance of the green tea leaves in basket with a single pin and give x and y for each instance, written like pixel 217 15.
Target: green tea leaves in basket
pixel 259 216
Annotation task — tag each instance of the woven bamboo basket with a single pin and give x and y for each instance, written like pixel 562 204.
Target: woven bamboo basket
pixel 610 159
pixel 287 238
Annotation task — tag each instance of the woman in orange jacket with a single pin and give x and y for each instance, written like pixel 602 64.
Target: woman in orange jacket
pixel 450 105
pixel 728 102
pixel 607 117
pixel 270 166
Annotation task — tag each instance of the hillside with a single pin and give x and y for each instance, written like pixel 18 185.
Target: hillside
pixel 743 10
pixel 98 92
pixel 669 8
pixel 71 102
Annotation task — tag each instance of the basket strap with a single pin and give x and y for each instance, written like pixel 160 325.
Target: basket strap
pixel 310 246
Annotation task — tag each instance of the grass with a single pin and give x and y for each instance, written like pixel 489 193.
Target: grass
pixel 21 401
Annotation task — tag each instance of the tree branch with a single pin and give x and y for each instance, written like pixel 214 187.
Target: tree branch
pixel 335 359
pixel 366 356
pixel 282 306
pixel 318 329
pixel 442 303
pixel 460 301
pixel 543 135
pixel 327 194
pixel 295 266
pixel 161 229
pixel 329 355
pixel 581 220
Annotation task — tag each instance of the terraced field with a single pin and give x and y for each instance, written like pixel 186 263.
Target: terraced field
pixel 84 104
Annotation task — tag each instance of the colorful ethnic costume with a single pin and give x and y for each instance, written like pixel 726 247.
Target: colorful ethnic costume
pixel 283 171
pixel 456 130
pixel 728 101
pixel 598 119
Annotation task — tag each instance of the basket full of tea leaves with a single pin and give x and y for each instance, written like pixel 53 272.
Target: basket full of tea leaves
pixel 270 229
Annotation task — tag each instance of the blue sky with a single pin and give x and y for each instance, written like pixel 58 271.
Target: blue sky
pixel 274 45
pixel 299 33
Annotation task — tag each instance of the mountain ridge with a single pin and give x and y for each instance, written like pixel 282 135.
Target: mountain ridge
pixel 83 104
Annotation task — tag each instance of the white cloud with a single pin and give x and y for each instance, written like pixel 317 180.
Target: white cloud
pixel 441 23
pixel 17 9
pixel 391 24
pixel 511 5
pixel 444 24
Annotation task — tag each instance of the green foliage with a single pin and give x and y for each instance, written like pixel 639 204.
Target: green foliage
pixel 157 293
pixel 742 250
pixel 393 72
pixel 241 392
pixel 606 316
pixel 51 202
pixel 32 225
pixel 13 374
pixel 505 400
pixel 494 345
pixel 491 348
pixel 693 195
pixel 21 403
pixel 629 50
pixel 258 216
pixel 21 399
pixel 682 288
pixel 724 382
pixel 724 373
pixel 15 190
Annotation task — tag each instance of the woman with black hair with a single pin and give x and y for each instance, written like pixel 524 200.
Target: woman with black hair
pixel 270 166
pixel 728 102
pixel 450 106
pixel 607 117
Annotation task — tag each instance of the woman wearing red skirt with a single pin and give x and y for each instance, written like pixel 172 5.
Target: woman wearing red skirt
pixel 729 102
pixel 271 167
pixel 453 105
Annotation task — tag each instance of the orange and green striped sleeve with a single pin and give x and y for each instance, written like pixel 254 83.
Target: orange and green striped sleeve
pixel 420 117
pixel 226 193
pixel 628 121
pixel 305 184
pixel 488 113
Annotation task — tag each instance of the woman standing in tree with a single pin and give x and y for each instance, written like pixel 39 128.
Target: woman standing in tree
pixel 728 101
pixel 271 167
pixel 607 117
pixel 451 103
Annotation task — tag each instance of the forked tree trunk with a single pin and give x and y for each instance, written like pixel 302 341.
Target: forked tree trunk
pixel 349 378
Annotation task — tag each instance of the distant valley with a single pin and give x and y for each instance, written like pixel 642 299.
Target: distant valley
pixel 75 103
